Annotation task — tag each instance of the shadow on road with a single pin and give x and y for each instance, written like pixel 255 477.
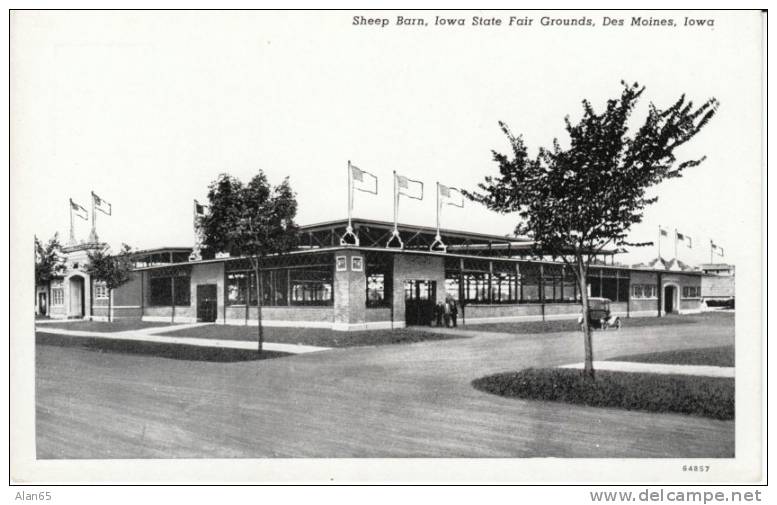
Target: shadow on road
pixel 169 351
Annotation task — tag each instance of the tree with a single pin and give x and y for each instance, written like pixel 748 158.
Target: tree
pixel 252 220
pixel 48 260
pixel 576 201
pixel 113 270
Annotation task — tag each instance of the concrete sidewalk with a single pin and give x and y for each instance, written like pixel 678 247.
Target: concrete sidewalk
pixel 144 336
pixel 660 368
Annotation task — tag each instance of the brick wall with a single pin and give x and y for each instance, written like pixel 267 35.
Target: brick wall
pixel 350 290
pixel 714 286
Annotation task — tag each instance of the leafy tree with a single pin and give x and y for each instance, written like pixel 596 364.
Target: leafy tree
pixel 575 201
pixel 253 220
pixel 48 260
pixel 113 270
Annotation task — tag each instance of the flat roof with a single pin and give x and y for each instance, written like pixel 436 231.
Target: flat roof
pixel 444 232
pixel 417 252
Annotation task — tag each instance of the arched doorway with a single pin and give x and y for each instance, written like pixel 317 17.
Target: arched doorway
pixel 670 299
pixel 77 307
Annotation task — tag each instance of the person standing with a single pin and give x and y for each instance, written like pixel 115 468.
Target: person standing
pixel 447 312
pixel 454 312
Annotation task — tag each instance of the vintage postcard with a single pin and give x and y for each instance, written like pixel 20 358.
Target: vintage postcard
pixel 387 246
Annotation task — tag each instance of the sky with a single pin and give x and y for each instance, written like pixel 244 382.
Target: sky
pixel 147 108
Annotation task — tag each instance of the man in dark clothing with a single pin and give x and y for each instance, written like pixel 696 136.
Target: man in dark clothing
pixel 454 312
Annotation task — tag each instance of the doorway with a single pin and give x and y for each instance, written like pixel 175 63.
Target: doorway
pixel 669 299
pixel 42 305
pixel 207 303
pixel 420 297
pixel 76 297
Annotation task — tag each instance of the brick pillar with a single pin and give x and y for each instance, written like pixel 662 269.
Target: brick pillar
pixel 350 291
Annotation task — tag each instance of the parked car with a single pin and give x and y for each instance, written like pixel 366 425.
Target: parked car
pixel 599 315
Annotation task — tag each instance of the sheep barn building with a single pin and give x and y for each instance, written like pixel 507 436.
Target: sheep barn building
pixel 324 284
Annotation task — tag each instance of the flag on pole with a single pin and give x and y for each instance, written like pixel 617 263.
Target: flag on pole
pixel 363 180
pixel 199 209
pixel 79 210
pixel 717 248
pixel 451 196
pixel 410 187
pixel 663 232
pixel 101 205
pixel 684 238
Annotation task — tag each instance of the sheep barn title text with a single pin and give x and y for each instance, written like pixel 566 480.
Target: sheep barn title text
pixel 529 21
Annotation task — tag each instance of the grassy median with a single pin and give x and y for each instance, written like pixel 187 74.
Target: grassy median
pixel 682 394
pixel 709 356
pixel 321 337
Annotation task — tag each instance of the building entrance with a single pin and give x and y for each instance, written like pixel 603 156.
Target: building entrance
pixel 669 295
pixel 206 303
pixel 76 297
pixel 420 297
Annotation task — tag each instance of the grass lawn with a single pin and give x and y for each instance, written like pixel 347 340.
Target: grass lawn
pixel 710 356
pixel 700 396
pixel 310 336
pixel 170 351
pixel 561 325
pixel 105 326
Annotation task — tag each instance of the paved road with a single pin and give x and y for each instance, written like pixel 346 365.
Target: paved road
pixel 391 401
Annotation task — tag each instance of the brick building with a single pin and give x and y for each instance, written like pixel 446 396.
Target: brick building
pixel 329 285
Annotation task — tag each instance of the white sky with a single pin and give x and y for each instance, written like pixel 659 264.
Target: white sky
pixel 147 108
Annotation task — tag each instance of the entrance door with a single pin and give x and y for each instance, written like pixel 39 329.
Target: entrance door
pixel 42 306
pixel 76 297
pixel 206 302
pixel 420 296
pixel 669 299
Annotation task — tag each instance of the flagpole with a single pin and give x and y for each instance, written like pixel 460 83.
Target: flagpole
pixel 711 250
pixel 438 210
pixel 350 196
pixel 93 237
pixel 396 201
pixel 72 229
pixel 675 243
pixel 659 242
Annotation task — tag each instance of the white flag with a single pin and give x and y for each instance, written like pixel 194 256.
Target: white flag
pixel 410 188
pixel 363 180
pixel 451 196
pixel 101 204
pixel 79 210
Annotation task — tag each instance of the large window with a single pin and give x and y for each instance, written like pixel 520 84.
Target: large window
pixel 530 282
pixel 476 287
pixel 505 287
pixel 452 284
pixel 57 293
pixel 281 287
pixel 163 291
pixel 311 286
pixel 691 292
pixel 275 288
pixel 237 283
pixel 379 280
pixel 642 291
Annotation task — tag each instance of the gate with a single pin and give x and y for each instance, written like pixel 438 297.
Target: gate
pixel 206 303
pixel 420 297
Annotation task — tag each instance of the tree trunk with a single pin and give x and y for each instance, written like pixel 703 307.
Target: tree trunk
pixel 586 328
pixel 110 299
pixel 259 292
